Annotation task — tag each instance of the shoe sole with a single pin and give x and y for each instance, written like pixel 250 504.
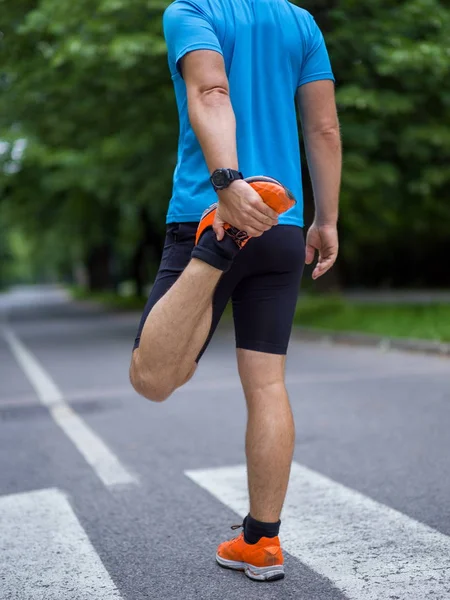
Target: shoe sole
pixel 273 573
pixel 206 221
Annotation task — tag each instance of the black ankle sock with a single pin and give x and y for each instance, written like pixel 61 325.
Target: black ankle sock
pixel 219 255
pixel 254 530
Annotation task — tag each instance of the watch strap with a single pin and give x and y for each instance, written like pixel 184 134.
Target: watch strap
pixel 234 175
pixel 230 175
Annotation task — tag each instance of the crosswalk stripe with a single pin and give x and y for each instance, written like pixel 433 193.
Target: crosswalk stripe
pixel 45 552
pixel 366 549
pixel 101 458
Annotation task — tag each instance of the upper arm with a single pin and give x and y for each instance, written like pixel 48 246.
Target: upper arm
pixel 188 28
pixel 317 106
pixel 204 71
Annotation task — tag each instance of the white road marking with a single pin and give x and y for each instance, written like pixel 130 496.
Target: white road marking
pixel 104 462
pixel 366 549
pixel 45 552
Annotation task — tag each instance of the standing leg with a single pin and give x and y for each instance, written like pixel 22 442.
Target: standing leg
pixel 269 448
pixel 263 310
pixel 270 432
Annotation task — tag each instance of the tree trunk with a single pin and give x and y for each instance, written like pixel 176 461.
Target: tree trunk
pixel 147 254
pixel 99 271
pixel 138 268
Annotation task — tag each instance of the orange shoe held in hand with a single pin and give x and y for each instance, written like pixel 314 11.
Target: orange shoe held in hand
pixel 272 192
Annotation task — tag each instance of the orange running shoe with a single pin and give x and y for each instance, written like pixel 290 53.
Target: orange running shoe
pixel 273 193
pixel 262 561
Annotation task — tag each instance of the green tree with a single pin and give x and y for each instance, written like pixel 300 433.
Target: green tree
pixel 392 65
pixel 87 86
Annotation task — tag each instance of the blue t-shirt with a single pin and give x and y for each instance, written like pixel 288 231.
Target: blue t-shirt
pixel 270 49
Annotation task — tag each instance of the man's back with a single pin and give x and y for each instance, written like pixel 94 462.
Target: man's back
pixel 270 48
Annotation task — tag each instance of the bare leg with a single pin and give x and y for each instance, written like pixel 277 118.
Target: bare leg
pixel 270 432
pixel 174 333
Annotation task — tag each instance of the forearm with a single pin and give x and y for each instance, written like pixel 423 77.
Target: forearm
pixel 324 154
pixel 212 118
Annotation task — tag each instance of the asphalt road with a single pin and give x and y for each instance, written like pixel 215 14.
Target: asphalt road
pixel 105 495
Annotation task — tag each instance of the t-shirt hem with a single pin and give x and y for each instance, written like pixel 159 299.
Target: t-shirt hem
pixel 184 218
pixel 195 218
pixel 317 77
pixel 291 221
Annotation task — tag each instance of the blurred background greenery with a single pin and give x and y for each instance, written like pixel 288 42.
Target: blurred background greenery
pixel 88 136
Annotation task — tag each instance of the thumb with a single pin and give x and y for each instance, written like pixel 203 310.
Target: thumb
pixel 218 228
pixel 310 252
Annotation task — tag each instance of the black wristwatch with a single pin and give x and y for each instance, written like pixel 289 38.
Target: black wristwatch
pixel 223 178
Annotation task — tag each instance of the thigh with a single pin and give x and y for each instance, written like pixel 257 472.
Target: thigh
pixel 222 295
pixel 178 245
pixel 264 300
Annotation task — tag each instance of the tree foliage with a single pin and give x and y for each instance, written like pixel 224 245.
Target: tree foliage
pixel 87 86
pixel 87 95
pixel 392 64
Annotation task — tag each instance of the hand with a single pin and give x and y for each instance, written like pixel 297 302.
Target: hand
pixel 323 238
pixel 242 207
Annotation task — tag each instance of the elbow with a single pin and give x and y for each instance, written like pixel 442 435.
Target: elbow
pixel 207 98
pixel 327 131
pixel 329 136
pixel 214 96
pixel 332 132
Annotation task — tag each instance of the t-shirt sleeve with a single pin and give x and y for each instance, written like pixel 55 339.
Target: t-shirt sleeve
pixel 187 28
pixel 316 62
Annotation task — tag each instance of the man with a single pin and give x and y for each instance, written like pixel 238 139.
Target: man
pixel 237 66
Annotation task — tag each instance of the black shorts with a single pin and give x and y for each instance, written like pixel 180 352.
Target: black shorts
pixel 263 285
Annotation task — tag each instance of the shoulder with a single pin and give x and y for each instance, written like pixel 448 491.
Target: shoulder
pixel 304 18
pixel 173 10
pixel 180 8
pixel 179 15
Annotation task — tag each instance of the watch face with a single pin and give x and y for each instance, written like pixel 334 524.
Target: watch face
pixel 220 179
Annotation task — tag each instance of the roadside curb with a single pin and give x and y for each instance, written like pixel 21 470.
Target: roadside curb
pixel 362 339
pixel 321 335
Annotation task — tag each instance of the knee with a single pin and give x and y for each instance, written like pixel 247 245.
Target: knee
pixel 148 384
pixel 154 386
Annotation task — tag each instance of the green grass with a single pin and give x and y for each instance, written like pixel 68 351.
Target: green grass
pixel 430 321
pixel 109 299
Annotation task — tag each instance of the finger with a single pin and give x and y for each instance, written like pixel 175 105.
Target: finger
pixel 323 266
pixel 310 252
pixel 263 220
pixel 252 232
pixel 218 228
pixel 250 223
pixel 270 216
